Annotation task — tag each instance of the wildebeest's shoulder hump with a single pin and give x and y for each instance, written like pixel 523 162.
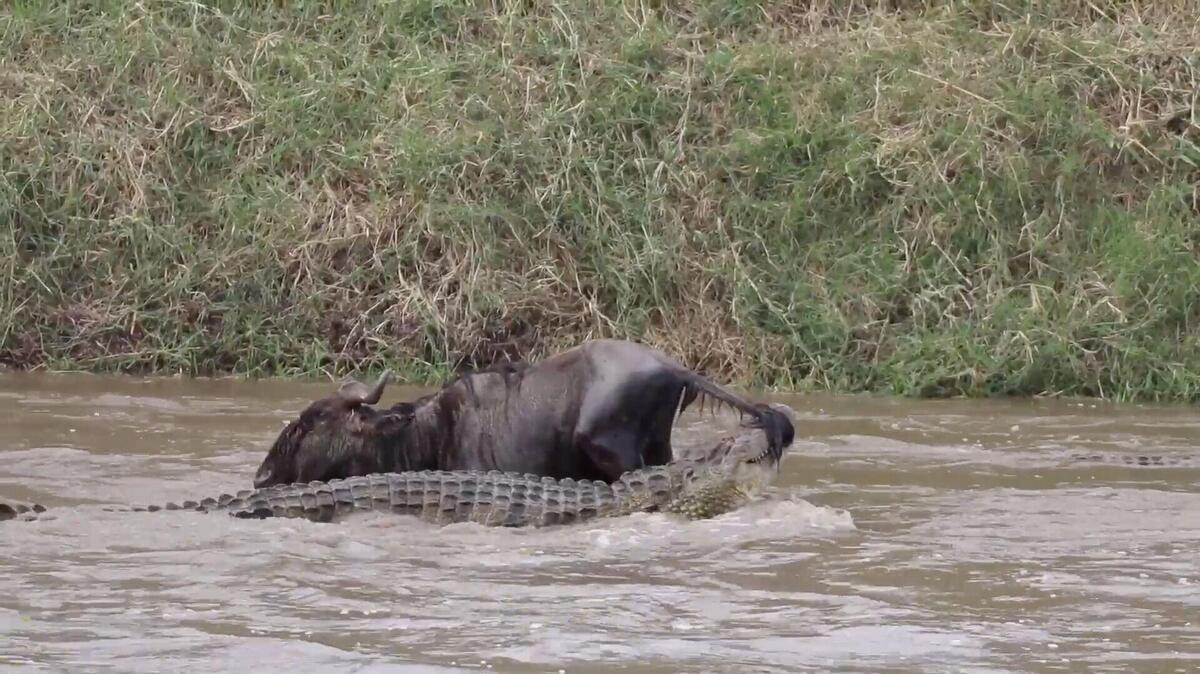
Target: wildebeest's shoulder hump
pixel 506 370
pixel 475 386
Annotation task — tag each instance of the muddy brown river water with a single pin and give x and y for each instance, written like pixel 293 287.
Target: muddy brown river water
pixel 902 536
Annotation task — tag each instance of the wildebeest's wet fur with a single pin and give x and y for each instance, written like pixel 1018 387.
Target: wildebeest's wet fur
pixel 592 412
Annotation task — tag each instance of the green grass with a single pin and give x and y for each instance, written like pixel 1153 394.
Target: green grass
pixel 956 198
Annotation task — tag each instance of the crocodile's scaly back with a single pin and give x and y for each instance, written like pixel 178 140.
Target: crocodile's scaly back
pixel 8 512
pixel 445 497
pixel 1128 459
pixel 440 497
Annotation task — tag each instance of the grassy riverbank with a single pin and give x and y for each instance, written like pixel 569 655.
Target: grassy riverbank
pixel 953 199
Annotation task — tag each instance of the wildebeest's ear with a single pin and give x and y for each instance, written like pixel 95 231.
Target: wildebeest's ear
pixel 403 408
pixel 354 393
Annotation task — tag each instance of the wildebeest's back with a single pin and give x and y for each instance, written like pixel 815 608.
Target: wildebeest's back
pixel 504 419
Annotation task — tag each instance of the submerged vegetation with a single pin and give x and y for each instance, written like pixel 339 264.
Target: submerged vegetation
pixel 922 198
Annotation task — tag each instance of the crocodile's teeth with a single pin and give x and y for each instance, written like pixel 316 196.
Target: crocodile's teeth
pixel 761 455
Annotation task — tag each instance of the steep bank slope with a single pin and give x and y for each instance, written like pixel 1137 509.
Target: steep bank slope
pixel 956 199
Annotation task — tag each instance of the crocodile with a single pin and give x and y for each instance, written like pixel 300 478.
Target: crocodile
pixel 1115 458
pixel 702 485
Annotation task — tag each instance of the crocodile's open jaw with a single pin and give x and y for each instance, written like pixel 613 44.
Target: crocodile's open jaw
pixel 762 455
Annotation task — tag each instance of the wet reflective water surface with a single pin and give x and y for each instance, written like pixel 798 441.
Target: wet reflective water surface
pixel 902 536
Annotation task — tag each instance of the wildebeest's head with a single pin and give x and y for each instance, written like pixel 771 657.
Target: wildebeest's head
pixel 337 436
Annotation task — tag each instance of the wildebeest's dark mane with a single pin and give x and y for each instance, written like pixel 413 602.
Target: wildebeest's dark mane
pixel 505 368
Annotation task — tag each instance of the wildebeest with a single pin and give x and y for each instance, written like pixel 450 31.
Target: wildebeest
pixel 592 412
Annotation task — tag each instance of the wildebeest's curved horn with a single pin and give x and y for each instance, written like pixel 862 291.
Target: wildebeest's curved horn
pixel 358 393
